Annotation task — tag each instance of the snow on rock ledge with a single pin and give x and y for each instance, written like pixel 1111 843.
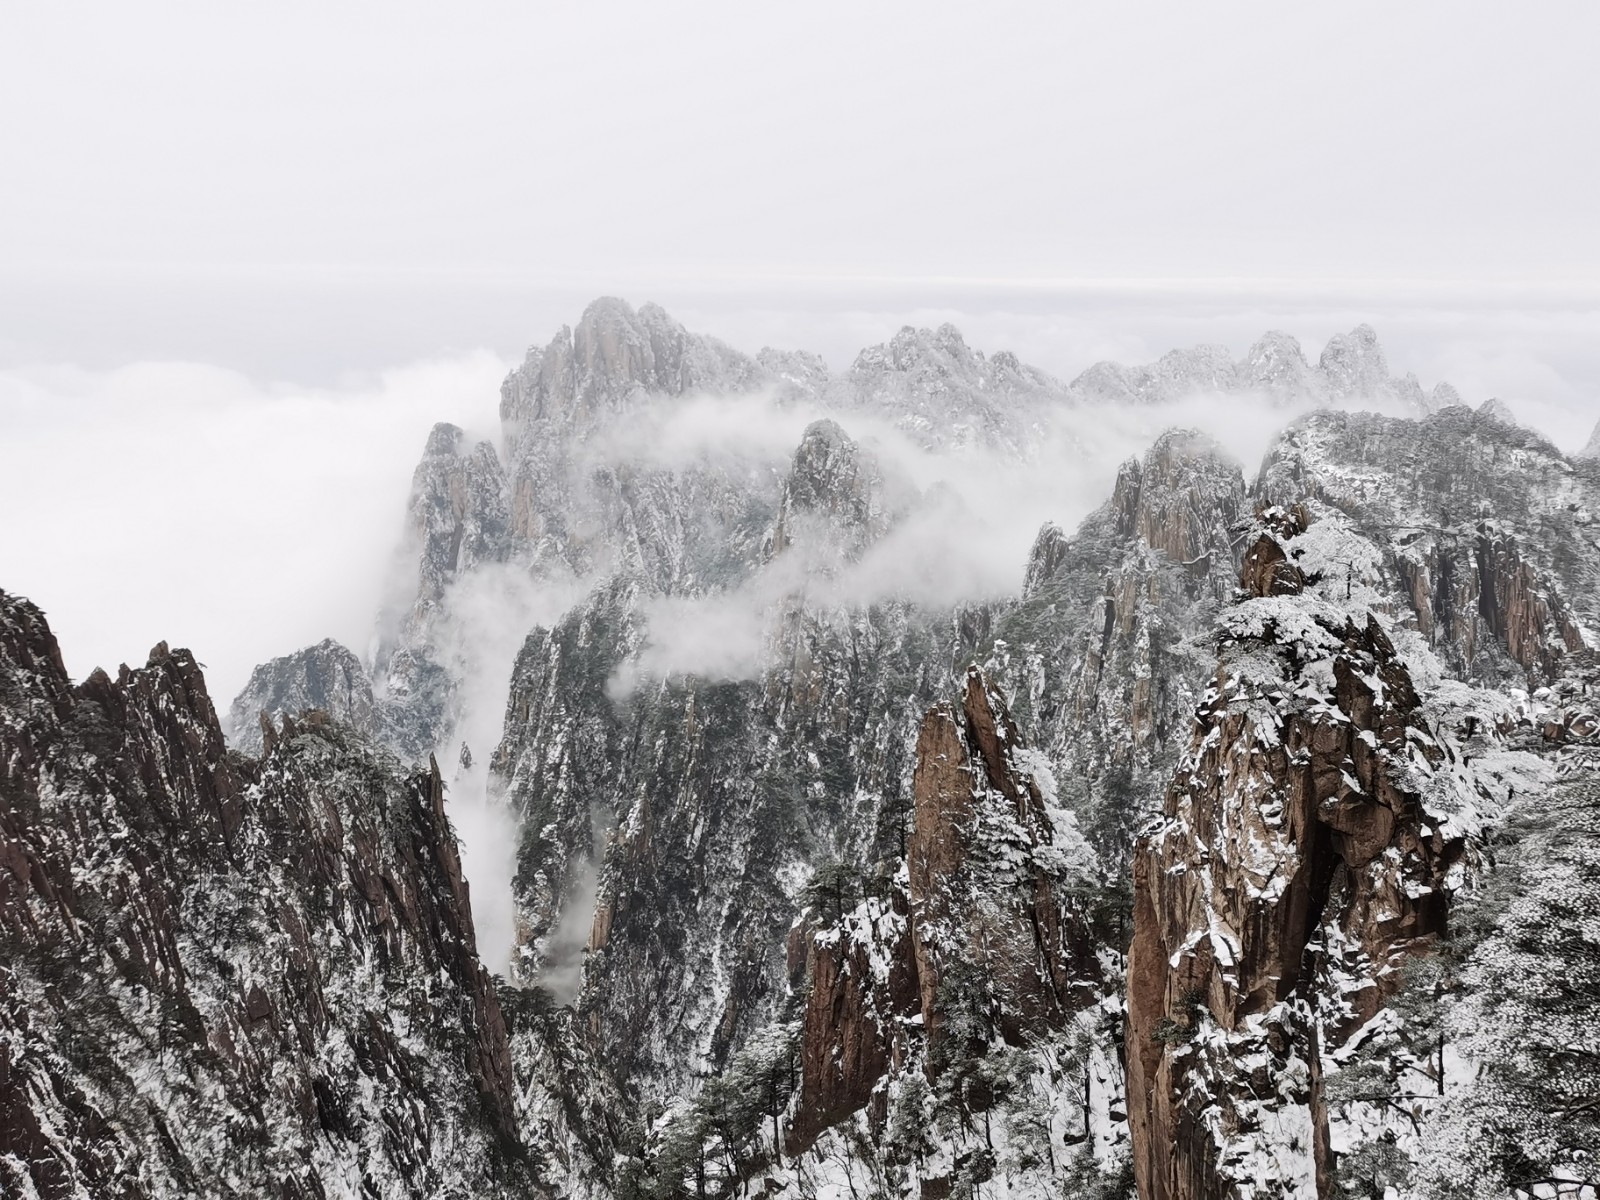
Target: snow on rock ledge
pixel 1306 849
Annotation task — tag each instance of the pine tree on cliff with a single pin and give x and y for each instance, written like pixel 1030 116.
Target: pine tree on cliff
pixel 834 890
pixel 1528 1019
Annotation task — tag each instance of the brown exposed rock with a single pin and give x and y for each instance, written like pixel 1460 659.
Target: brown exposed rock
pixel 1520 610
pixel 851 1037
pixel 1032 946
pixel 600 931
pixel 1183 492
pixel 1114 681
pixel 1464 587
pixel 1290 841
pixel 965 763
pixel 1266 570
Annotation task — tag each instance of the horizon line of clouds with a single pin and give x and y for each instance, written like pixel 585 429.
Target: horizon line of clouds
pixel 1460 289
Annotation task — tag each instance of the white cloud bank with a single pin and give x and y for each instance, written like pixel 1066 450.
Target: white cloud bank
pixel 187 503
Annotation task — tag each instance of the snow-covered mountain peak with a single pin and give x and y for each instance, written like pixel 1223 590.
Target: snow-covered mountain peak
pixel 444 440
pixel 1497 410
pixel 837 491
pixel 1354 363
pixel 1352 369
pixel 614 356
pixel 1276 363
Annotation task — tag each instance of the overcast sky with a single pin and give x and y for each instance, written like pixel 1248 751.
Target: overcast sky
pixel 588 144
pixel 248 254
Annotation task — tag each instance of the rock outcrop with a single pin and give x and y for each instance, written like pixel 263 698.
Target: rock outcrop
pixel 835 494
pixel 976 943
pixel 223 976
pixel 941 392
pixel 1306 848
pixel 1100 655
pixel 1484 531
pixel 1591 448
pixel 860 1014
pixel 984 864
pixel 1352 368
pixel 326 677
pixel 673 823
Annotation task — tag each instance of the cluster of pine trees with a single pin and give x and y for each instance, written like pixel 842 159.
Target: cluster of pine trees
pixel 1493 1064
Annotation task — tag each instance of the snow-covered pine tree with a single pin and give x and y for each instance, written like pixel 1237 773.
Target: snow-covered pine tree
pixel 1527 1018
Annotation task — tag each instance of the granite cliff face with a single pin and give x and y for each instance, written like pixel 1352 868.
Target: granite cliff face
pixel 227 976
pixel 1312 841
pixel 1485 530
pixel 1101 653
pixel 984 890
pixel 326 677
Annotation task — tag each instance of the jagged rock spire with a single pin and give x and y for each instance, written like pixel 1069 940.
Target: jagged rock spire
pixel 1591 448
pixel 1306 850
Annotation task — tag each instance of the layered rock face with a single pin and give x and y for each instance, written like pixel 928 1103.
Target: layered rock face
pixel 1100 652
pixel 226 976
pixel 790 920
pixel 1310 842
pixel 687 811
pixel 835 494
pixel 975 800
pixel 458 526
pixel 941 392
pixel 1486 531
pixel 588 491
pixel 582 486
pixel 675 829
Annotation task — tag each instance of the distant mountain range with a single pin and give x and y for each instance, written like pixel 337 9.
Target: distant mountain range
pixel 1203 866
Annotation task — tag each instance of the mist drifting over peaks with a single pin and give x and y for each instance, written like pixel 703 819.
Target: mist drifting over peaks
pixel 960 519
pixel 295 496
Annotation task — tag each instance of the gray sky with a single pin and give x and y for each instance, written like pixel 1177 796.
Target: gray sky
pixel 247 255
pixel 293 147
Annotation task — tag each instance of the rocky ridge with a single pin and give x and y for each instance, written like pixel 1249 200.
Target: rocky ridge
pixel 576 491
pixel 326 677
pixel 229 976
pixel 1352 366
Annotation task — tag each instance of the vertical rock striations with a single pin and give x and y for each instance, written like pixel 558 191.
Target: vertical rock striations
pixel 977 942
pixel 1100 654
pixel 1485 530
pixel 326 677
pixel 1308 845
pixel 225 976
pixel 985 865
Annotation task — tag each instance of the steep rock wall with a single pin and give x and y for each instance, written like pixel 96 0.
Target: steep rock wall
pixel 1307 847
pixel 224 976
pixel 980 894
